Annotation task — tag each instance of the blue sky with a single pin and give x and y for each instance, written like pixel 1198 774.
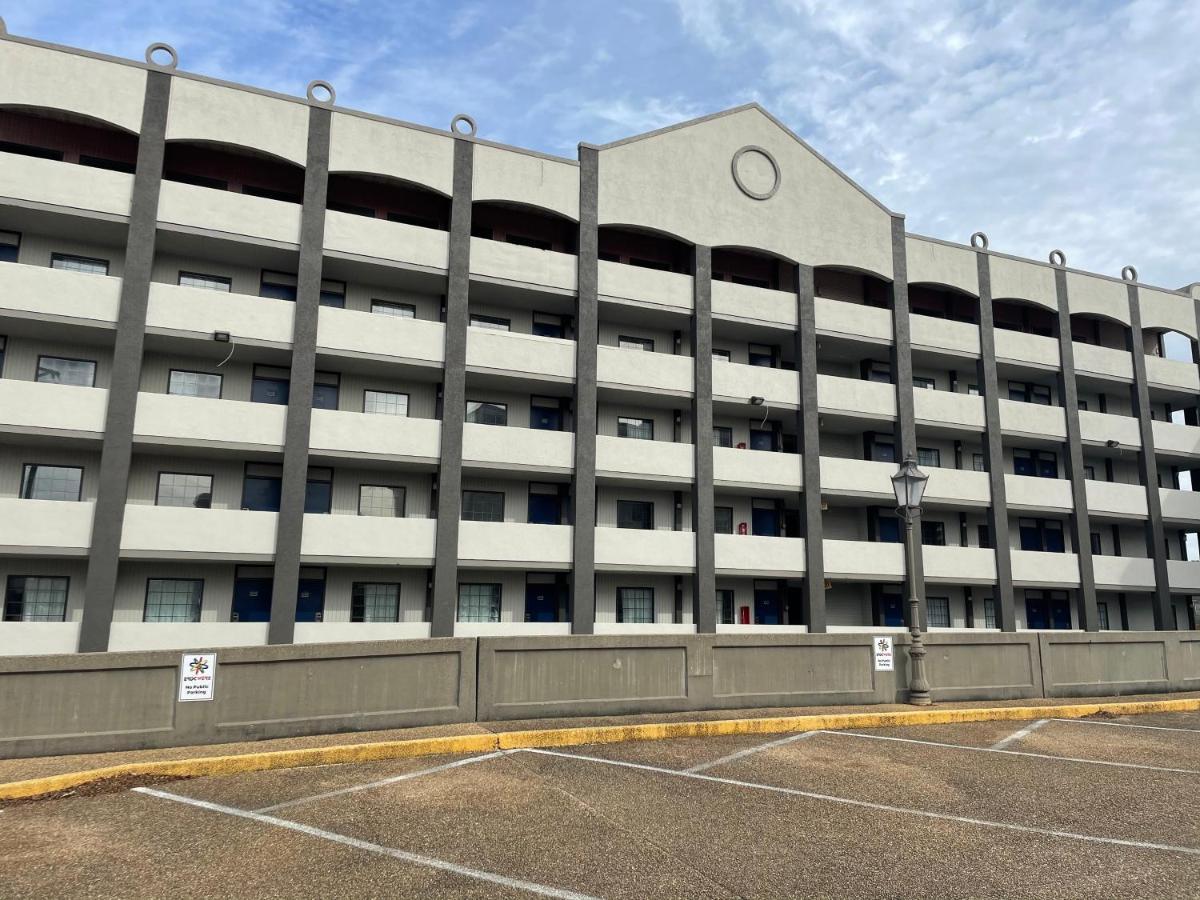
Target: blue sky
pixel 1046 125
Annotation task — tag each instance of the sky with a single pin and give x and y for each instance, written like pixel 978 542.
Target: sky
pixel 1046 125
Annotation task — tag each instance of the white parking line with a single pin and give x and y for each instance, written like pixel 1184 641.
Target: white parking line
pixel 1073 759
pixel 1127 725
pixel 791 738
pixel 1020 733
pixel 382 782
pixel 402 855
pixel 882 807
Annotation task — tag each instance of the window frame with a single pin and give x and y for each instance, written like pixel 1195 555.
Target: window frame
pixel 290 280
pixel 716 525
pixel 934 453
pixel 199 600
pixel 8 590
pixel 638 422
pixel 410 308
pixel 219 279
pixel 393 487
pixel 25 472
pixel 632 342
pixel 937 529
pixel 482 403
pixel 924 383
pixel 627 504
pixel 620 604
pixel 56 257
pixel 158 488
pixel 929 611
pixel 38 368
pixel 358 600
pixel 495 615
pixel 725 433
pixel 481 493
pixel 407 402
pixel 16 245
pixel 220 383
pixel 491 323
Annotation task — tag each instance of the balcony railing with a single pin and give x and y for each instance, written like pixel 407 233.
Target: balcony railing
pixel 863 560
pixel 45 527
pixel 65 185
pixel 944 336
pixel 350 333
pixel 411 245
pixel 1172 374
pixel 1110 498
pixel 367 540
pixel 38 292
pixel 745 303
pixel 945 408
pixel 1033 420
pixel 959 565
pixel 1036 569
pixel 197 313
pixel 1033 350
pixel 1102 362
pixel 517 264
pixel 29 407
pixel 630 459
pixel 225 212
pixel 1123 573
pixel 170 532
pixel 645 287
pixel 637 370
pixel 169 420
pixel 520 355
pixel 518 449
pixel 738 382
pixel 759 556
pixel 636 550
pixel 856 397
pixel 1025 493
pixel 760 469
pixel 514 545
pixel 354 435
pixel 853 320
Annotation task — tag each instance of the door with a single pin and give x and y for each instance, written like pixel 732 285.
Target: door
pixel 310 600
pixel 541 603
pixel 765 521
pixel 1035 613
pixel 766 606
pixel 545 509
pixel 262 493
pixel 545 418
pixel 1060 613
pixel 251 600
pixel 891 610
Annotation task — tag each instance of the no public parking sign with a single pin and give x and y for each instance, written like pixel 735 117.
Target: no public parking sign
pixel 197 676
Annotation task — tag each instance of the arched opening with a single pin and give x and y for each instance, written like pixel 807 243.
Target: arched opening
pixel 1100 331
pixel 528 226
pixel 1014 314
pixel 943 302
pixel 225 167
pixel 380 197
pixel 648 249
pixel 852 286
pixel 755 268
pixel 1169 344
pixel 66 137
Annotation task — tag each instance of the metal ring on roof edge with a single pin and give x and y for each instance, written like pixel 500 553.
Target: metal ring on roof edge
pixel 1129 273
pixel 1058 258
pixel 463 117
pixel 316 85
pixel 154 48
pixel 979 240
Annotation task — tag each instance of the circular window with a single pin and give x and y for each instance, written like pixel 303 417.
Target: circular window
pixel 756 173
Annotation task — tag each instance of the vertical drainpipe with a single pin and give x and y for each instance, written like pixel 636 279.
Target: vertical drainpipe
pixel 809 423
pixel 704 587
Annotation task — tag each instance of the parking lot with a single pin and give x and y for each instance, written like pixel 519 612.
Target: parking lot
pixel 1053 808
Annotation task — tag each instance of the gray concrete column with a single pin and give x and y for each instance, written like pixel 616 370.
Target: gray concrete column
pixel 704 594
pixel 587 331
pixel 454 396
pixel 117 451
pixel 993 448
pixel 289 528
pixel 902 373
pixel 1081 532
pixel 809 425
pixel 1160 601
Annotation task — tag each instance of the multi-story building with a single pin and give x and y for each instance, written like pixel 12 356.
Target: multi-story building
pixel 273 370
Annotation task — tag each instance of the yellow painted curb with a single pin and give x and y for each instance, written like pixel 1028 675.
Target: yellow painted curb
pixel 572 737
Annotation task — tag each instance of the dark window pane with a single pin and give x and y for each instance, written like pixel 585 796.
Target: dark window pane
pixel 269 390
pixel 173 600
pixel 484 413
pixel 629 427
pixel 178 489
pixel 635 604
pixel 40 482
pixel 36 598
pixel 762 440
pixel 325 396
pixel 888 530
pixel 723 520
pixel 318 497
pixel 483 506
pixel 722 436
pixel 933 534
pixel 261 492
pixel 479 603
pixel 371 602
pixel 545 418
pixel 635 514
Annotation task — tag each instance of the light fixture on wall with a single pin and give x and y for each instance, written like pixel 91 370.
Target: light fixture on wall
pixel 761 401
pixel 224 337
pixel 1112 444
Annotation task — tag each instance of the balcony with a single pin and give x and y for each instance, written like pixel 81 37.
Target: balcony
pixel 1033 420
pixel 636 550
pixel 959 565
pixel 873 481
pixel 170 532
pixel 45 527
pixel 52 295
pixel 56 410
pixel 1171 439
pixel 364 335
pixel 628 459
pixel 645 287
pixel 1120 501
pixel 197 313
pixel 51 183
pixel 863 560
pixel 738 382
pixel 754 305
pixel 946 409
pixel 168 420
pixel 518 449
pixel 520 355
pixel 426 249
pixel 352 435
pixel 1179 507
pixel 853 320
pixel 758 556
pixel 756 469
pixel 1123 573
pixel 1031 568
pixel 342 632
pixel 1097 429
pixel 855 397
pixel 1102 362
pixel 1183 576
pixel 637 370
pixel 1035 350
pixel 367 540
pixel 957 487
pixel 38 638
pixel 1025 493
pixel 517 545
pixel 205 210
pixel 944 336
pixel 515 264
pixel 1172 374
pixel 185 635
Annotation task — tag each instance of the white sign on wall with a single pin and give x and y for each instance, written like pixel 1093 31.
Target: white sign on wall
pixel 884 660
pixel 197 676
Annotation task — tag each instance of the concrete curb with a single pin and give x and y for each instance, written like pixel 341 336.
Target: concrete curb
pixel 571 737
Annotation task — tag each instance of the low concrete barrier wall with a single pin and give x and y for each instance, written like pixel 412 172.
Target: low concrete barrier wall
pixel 1111 664
pixel 986 666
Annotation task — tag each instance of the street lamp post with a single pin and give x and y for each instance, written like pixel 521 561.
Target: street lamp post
pixel 909 486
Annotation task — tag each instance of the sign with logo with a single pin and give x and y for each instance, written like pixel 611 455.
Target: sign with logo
pixel 197 676
pixel 884 659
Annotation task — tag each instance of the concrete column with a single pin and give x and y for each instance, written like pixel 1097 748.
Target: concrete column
pixel 587 331
pixel 809 426
pixel 1160 600
pixel 993 448
pixel 902 373
pixel 454 396
pixel 289 529
pixel 1081 532
pixel 704 594
pixel 117 452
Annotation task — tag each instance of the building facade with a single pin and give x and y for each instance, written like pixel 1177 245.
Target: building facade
pixel 272 370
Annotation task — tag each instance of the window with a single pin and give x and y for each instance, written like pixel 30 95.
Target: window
pixel 635 604
pixel 1089 472
pixel 635 514
pixel 545 414
pixel 270 385
pixel 277 286
pixel 761 355
pixel 1035 463
pixel 725 605
pixel 765 518
pixel 388 308
pixel 1097 547
pixel 1045 535
pixel 1047 609
pixel 36 598
pixel 632 427
pixel 385 403
pixel 1082 405
pixel 762 439
pixel 483 506
pixel 933 534
pixel 374 602
pixel 318 491
pixel 722 354
pixel 262 487
pixel 71 263
pixel 40 482
pixel 1027 392
pixel 722 436
pixel 977 462
pixel 194 384
pixel 929 456
pixel 10 246
pixel 325 390
pixel 877 371
pixel 723 519
pixel 381 500
pixel 56 370
pixel 985 537
pixel 482 412
pixel 635 343
pixel 493 322
pixel 546 325
pixel 545 504
pixel 937 610
pixel 989 614
pixel 479 603
pixel 883 451
pixel 179 489
pixel 887 530
pixel 333 294
pixel 205 282
pixel 928 384
pixel 173 599
pixel 1102 611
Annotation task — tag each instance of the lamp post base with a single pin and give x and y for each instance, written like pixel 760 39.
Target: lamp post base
pixel 918 684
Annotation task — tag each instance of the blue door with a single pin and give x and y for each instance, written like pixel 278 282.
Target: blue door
pixel 766 607
pixel 545 418
pixel 261 492
pixel 1035 614
pixel 310 600
pixel 252 600
pixel 541 603
pixel 891 610
pixel 545 509
pixel 765 522
pixel 1060 613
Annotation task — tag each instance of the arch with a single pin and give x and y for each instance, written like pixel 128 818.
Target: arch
pixel 388 197
pixel 1100 330
pixel 525 224
pixel 233 167
pixel 853 284
pixel 943 301
pixel 647 247
pixel 65 136
pixel 754 267
pixel 1170 344
pixel 1028 316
